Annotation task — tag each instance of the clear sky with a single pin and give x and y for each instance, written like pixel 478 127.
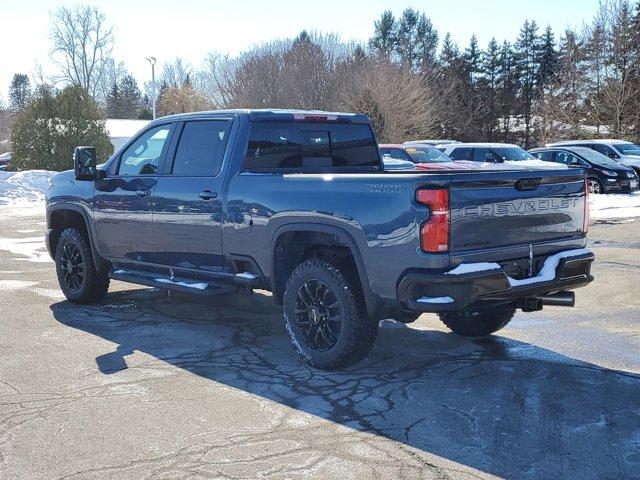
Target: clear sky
pixel 167 29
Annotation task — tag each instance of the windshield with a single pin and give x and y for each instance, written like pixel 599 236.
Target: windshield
pixel 512 153
pixel 627 148
pixel 427 155
pixel 596 157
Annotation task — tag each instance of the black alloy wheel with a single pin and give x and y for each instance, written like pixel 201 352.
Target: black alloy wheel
pixel 318 315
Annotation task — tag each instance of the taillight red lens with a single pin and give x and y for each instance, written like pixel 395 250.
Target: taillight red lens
pixel 587 208
pixel 434 233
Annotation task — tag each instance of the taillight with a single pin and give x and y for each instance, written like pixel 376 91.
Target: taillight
pixel 434 233
pixel 587 208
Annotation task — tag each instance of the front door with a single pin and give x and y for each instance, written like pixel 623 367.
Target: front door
pixel 187 214
pixel 124 199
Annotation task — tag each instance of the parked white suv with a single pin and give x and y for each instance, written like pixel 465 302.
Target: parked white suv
pixel 627 153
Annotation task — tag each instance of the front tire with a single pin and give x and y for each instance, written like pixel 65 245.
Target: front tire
pixel 477 323
pixel 325 317
pixel 595 186
pixel 78 278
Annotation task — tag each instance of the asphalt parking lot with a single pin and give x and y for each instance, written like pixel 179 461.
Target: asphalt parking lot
pixel 143 386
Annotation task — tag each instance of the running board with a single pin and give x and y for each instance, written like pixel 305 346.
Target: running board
pixel 201 287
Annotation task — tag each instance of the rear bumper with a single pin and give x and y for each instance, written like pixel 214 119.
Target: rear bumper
pixel 444 292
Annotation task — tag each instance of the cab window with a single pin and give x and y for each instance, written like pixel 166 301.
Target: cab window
pixel 142 157
pixel 201 148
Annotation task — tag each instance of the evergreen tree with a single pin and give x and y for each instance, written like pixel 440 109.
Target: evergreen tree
pixel 51 125
pixel 123 100
pixel 548 59
pixel 113 101
pixel 488 86
pixel 416 40
pixel 472 60
pixel 527 50
pixel 383 41
pixel 507 88
pixel 146 108
pixel 19 91
pixel 130 97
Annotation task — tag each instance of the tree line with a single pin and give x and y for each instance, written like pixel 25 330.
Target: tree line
pixel 411 81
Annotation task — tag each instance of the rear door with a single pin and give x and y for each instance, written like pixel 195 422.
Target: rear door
pixel 499 209
pixel 187 215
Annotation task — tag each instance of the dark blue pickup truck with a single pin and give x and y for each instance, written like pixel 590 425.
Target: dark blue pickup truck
pixel 298 203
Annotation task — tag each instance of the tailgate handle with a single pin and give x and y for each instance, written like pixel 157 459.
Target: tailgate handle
pixel 528 183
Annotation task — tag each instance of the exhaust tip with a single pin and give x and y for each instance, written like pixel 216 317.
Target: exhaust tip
pixel 563 298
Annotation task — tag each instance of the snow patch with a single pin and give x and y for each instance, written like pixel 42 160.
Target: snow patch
pixel 31 247
pixel 12 285
pixel 548 270
pixel 27 186
pixel 610 206
pixel 435 300
pixel 546 274
pixel 465 268
pixel 198 286
pixel 246 275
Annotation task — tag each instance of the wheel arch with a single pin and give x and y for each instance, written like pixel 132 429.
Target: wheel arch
pixel 62 216
pixel 314 232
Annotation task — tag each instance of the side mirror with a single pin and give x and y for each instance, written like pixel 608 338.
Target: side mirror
pixel 84 163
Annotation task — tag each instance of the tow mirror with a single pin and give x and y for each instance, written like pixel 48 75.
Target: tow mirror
pixel 84 163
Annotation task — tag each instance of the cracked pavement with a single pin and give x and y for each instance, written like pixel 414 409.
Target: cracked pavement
pixel 141 386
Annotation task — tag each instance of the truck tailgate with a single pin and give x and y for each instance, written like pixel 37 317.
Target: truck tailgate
pixel 497 209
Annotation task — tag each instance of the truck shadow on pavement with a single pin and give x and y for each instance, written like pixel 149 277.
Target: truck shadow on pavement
pixel 498 405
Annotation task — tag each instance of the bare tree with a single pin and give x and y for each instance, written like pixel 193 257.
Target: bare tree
pixel 396 99
pixel 82 44
pixel 181 100
pixel 176 73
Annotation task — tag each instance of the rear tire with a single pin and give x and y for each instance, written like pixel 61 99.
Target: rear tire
pixel 78 278
pixel 325 317
pixel 477 323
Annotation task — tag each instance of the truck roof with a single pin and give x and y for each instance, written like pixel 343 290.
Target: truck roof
pixel 275 114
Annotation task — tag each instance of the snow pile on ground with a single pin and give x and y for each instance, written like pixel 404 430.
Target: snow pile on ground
pixel 22 193
pixel 27 186
pixel 615 206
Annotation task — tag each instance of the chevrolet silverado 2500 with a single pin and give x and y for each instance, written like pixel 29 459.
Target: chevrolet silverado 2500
pixel 298 203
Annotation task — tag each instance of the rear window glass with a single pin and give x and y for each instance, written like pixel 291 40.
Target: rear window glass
pixel 310 146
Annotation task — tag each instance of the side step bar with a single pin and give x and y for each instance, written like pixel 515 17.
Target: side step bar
pixel 189 285
pixel 175 284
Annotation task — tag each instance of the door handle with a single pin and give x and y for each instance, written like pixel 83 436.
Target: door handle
pixel 143 193
pixel 208 195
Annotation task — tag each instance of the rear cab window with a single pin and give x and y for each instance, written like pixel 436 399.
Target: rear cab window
pixel 311 147
pixel 201 148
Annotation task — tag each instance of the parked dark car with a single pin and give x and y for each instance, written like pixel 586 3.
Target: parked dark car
pixel 5 161
pixel 298 203
pixel 604 175
pixel 621 151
